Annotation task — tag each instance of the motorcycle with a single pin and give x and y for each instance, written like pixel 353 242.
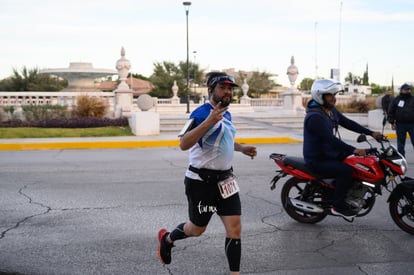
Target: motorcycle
pixel 306 196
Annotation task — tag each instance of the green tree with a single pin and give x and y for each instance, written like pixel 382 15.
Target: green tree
pixel 166 73
pixel 377 89
pixel 306 84
pixel 195 76
pixel 31 80
pixel 7 84
pixel 49 83
pixel 259 83
pixel 365 78
pixel 353 79
pixel 163 78
pixel 138 76
pixel 24 81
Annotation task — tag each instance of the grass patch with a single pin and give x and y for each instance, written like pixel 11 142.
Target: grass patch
pixel 32 132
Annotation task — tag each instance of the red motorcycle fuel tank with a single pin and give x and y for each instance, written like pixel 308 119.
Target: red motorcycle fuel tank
pixel 366 168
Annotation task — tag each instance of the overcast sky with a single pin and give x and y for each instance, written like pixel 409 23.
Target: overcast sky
pixel 245 35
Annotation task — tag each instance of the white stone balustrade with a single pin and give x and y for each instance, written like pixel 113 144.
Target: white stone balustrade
pixel 18 99
pixel 161 105
pixel 264 102
pixel 162 101
pixel 39 98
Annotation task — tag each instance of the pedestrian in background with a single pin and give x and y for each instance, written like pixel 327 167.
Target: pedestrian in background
pixel 401 116
pixel 386 101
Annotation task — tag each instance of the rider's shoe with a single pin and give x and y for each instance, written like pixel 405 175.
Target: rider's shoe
pixel 343 212
pixel 164 247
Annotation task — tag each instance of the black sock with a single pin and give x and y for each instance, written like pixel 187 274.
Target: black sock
pixel 178 233
pixel 233 253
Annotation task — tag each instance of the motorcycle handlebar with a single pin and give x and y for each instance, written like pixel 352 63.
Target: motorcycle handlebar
pixel 371 151
pixel 381 138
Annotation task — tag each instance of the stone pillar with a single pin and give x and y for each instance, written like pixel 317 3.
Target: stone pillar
pixel 292 98
pixel 375 119
pixel 146 122
pixel 292 72
pixel 245 88
pixel 123 94
pixel 175 99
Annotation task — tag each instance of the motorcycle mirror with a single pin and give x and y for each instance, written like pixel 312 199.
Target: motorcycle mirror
pixel 384 120
pixel 362 138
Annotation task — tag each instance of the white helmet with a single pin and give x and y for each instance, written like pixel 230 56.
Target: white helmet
pixel 321 87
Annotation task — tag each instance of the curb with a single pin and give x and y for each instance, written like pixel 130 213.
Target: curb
pixel 127 144
pixel 17 146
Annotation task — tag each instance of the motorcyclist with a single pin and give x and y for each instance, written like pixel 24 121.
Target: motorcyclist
pixel 323 149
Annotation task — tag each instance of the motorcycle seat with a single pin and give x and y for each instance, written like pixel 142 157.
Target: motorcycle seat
pixel 299 163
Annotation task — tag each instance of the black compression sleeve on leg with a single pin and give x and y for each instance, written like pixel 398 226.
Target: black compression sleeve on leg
pixel 233 253
pixel 178 233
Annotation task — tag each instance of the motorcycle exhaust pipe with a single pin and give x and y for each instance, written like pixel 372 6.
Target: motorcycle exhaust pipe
pixel 305 206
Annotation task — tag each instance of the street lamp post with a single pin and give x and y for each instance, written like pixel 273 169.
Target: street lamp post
pixel 187 9
pixel 195 72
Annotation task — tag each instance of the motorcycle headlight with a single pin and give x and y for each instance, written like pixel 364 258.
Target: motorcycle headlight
pixel 404 165
pixel 402 162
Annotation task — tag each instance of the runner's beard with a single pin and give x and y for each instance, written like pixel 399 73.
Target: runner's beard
pixel 225 100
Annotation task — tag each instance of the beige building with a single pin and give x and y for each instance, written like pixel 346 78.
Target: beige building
pixel 139 86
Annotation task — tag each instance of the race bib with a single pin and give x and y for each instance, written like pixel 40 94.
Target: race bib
pixel 401 103
pixel 228 187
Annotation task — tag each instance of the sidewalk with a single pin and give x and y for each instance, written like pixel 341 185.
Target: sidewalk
pixel 162 140
pixel 275 135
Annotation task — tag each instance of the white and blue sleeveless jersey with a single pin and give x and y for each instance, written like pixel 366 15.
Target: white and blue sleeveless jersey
pixel 215 149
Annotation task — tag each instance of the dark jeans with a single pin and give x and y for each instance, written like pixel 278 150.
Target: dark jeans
pixel 343 178
pixel 402 128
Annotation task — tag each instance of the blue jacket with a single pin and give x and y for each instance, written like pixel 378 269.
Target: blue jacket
pixel 319 134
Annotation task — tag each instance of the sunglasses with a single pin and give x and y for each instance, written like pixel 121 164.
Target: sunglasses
pixel 221 78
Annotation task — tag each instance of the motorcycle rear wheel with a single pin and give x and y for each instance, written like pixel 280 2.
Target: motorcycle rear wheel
pixel 402 212
pixel 295 188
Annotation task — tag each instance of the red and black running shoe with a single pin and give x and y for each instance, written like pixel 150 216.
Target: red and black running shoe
pixel 164 247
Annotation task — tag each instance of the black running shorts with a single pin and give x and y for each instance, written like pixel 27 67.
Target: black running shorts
pixel 204 200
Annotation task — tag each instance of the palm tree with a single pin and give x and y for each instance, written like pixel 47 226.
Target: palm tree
pixel 31 80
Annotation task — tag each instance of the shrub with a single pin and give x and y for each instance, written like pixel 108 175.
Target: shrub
pixel 89 112
pixel 87 106
pixel 358 106
pixel 2 115
pixel 9 110
pixel 44 112
pixel 68 123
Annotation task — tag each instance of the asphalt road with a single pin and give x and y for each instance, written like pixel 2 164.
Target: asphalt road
pixel 99 211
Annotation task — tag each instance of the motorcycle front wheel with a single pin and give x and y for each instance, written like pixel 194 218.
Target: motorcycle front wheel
pixel 402 212
pixel 301 189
